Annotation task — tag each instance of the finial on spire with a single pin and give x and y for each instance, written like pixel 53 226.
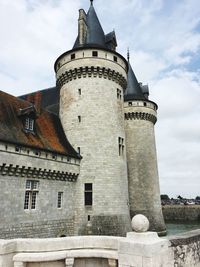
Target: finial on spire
pixel 128 54
pixel 91 2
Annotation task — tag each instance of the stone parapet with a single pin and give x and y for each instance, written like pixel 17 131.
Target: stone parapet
pixel 22 165
pixel 140 116
pixel 186 249
pixel 137 249
pixel 39 173
pixel 84 72
pixel 181 213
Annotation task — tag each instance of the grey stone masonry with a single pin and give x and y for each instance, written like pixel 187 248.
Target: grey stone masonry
pixel 144 192
pixel 38 229
pixel 28 211
pixel 91 112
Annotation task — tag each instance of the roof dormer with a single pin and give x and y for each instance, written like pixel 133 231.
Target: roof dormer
pixel 28 116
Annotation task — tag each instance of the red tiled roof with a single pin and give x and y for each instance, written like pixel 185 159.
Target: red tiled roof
pixel 49 134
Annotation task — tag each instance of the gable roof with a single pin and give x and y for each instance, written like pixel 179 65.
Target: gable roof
pixel 49 134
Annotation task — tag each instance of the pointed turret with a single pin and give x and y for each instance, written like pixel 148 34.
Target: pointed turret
pixel 140 117
pixel 95 33
pixel 91 78
pixel 133 90
pixel 90 31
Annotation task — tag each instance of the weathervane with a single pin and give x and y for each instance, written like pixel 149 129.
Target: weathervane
pixel 128 54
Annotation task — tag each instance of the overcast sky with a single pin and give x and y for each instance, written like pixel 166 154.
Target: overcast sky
pixel 164 41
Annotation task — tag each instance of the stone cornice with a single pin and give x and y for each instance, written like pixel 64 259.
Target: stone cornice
pixel 140 116
pixel 39 173
pixel 88 72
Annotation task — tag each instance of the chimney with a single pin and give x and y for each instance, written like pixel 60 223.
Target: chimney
pixel 82 27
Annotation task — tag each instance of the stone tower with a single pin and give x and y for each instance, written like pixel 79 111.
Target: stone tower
pixel 92 78
pixel 140 117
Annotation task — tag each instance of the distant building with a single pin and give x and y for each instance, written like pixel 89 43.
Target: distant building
pixel 80 158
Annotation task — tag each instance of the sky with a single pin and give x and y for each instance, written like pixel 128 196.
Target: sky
pixel 163 37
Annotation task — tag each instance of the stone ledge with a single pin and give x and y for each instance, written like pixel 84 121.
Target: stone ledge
pixel 61 255
pixel 140 116
pixel 38 173
pixel 185 238
pixel 89 72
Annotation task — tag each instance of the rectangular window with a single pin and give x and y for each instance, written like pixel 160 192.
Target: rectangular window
pixel 54 156
pixel 79 91
pixel 121 146
pixel 119 94
pixel 88 194
pixel 79 118
pixel 29 124
pixel 33 200
pixel 26 200
pixel 94 53
pixel 31 194
pixel 17 149
pixel 60 197
pixel 115 58
pixel 73 56
pixel 130 104
pixel 79 150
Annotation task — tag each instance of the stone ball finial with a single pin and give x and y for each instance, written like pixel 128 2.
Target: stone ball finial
pixel 140 223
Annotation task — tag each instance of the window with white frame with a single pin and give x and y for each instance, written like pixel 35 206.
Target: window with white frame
pixel 60 200
pixel 32 188
pixel 29 124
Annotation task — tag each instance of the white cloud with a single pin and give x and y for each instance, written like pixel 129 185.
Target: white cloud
pixel 178 131
pixel 33 39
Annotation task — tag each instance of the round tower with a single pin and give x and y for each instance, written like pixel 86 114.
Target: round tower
pixel 92 78
pixel 140 117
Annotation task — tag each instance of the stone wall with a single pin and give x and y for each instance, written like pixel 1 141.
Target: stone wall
pixel 91 112
pixel 135 250
pixel 181 213
pixel 186 249
pixel 38 229
pixel 144 191
pixel 46 219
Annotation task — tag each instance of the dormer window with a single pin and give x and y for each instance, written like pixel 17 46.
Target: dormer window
pixel 28 116
pixel 29 124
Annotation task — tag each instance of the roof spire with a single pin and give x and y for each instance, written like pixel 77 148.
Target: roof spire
pixel 91 2
pixel 128 54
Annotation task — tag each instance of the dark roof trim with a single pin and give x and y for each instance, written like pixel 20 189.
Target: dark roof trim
pixel 90 47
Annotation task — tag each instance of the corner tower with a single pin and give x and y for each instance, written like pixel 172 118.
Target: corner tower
pixel 92 78
pixel 140 117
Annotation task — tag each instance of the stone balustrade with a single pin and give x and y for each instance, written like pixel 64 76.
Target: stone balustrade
pixel 139 248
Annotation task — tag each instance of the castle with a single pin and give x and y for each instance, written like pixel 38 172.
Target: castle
pixel 80 158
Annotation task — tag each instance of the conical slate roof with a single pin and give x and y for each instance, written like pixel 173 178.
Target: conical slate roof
pixel 133 90
pixel 95 35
